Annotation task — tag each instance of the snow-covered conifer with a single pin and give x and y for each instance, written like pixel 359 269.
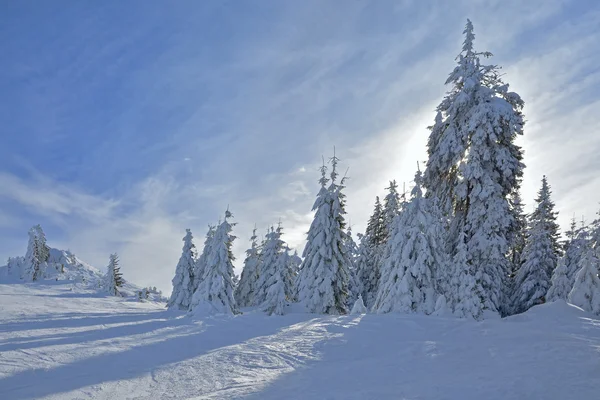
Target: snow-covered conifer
pixel 324 274
pixel 214 294
pixel 359 306
pixel 563 277
pixel 540 254
pixel 474 165
pixel 518 233
pixel 544 211
pixel 37 254
pixel 354 286
pixel 368 269
pixel 586 289
pixel 465 294
pixel 416 251
pixel 183 282
pixel 274 289
pixel 201 261
pixel 114 278
pixel 245 290
pixel 391 208
pixel 367 275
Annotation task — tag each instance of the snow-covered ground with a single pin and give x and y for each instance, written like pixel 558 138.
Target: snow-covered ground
pixel 61 341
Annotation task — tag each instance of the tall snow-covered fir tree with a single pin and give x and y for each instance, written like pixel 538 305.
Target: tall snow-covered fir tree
pixel 114 278
pixel 324 275
pixel 540 254
pixel 214 294
pixel 369 255
pixel 474 165
pixel 183 282
pixel 586 289
pixel 563 277
pixel 37 254
pixel 246 288
pixel 274 288
pixel 201 261
pixel 416 252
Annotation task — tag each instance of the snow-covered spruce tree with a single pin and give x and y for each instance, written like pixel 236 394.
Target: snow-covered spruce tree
pixel 324 274
pixel 586 289
pixel 183 282
pixel 563 277
pixel 518 233
pixel 594 233
pixel 245 290
pixel 544 211
pixel 391 208
pixel 354 286
pixel 275 284
pixel 37 254
pixel 540 254
pixel 465 294
pixel 474 165
pixel 294 261
pixel 369 254
pixel 359 306
pixel 114 278
pixel 272 254
pixel 416 251
pixel 201 261
pixel 366 276
pixel 215 290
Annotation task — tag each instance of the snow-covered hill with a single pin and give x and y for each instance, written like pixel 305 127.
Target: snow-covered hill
pixel 63 265
pixel 64 341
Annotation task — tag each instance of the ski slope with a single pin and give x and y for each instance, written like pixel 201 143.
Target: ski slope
pixel 61 341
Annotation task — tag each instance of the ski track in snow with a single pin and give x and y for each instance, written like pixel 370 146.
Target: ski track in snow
pixel 57 343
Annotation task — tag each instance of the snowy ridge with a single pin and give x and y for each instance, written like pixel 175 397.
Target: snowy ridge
pixel 63 265
pixel 57 343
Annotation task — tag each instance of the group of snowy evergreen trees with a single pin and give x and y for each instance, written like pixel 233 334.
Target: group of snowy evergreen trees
pixel 207 284
pixel 460 245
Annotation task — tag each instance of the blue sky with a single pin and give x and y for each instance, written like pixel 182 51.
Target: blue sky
pixel 123 123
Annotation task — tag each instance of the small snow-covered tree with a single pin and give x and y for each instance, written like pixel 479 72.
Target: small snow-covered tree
pixel 563 277
pixel 416 251
pixel 202 260
pixel 114 278
pixel 359 306
pixel 183 282
pixel 246 289
pixel 544 212
pixel 215 291
pixel 586 289
pixel 540 254
pixel 274 288
pixel 324 274
pixel 37 254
